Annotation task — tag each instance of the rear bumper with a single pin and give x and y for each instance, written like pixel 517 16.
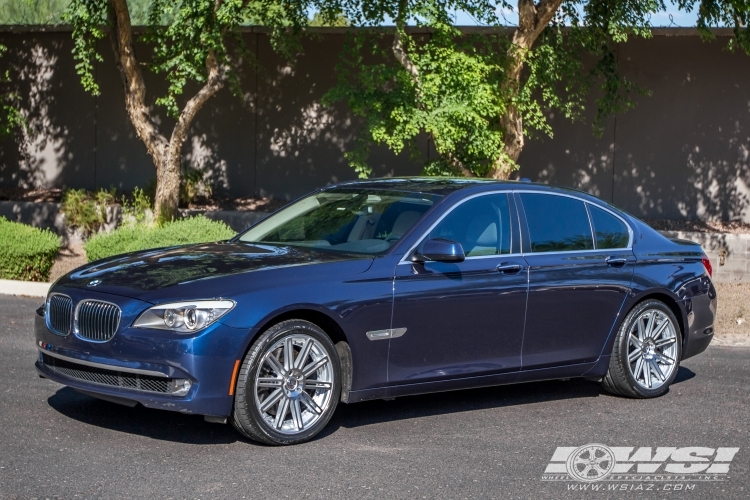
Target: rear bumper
pixel 701 313
pixel 137 364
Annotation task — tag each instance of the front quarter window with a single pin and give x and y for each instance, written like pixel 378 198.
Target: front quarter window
pixel 346 220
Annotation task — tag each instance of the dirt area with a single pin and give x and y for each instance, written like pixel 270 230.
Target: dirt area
pixel 700 226
pixel 67 259
pixel 732 324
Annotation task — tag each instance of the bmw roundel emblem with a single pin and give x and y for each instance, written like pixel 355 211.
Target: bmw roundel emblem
pixel 94 282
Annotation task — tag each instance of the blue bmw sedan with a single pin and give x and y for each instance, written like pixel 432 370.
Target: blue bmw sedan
pixel 381 289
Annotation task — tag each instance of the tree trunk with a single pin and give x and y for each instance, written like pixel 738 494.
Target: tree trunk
pixel 532 19
pixel 166 154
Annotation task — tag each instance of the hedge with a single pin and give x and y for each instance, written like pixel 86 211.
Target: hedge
pixel 26 253
pixel 125 239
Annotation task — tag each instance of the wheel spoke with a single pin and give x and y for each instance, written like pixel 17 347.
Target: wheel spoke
pixel 317 384
pixel 638 367
pixel 657 370
pixel 271 400
pixel 310 403
pixel 664 359
pixel 639 324
pixel 269 382
pixel 635 341
pixel 650 324
pixel 634 355
pixel 660 329
pixel 283 408
pixel 304 352
pixel 665 342
pixel 288 353
pixel 274 364
pixel 297 415
pixel 647 374
pixel 312 367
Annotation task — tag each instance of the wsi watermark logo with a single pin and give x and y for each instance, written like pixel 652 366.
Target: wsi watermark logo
pixel 592 463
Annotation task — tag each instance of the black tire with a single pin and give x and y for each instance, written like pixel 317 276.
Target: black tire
pixel 620 379
pixel 247 418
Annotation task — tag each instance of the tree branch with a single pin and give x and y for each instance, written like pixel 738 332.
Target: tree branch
pixel 132 80
pixel 214 82
pixel 398 45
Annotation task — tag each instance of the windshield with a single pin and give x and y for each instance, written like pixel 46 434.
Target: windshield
pixel 346 220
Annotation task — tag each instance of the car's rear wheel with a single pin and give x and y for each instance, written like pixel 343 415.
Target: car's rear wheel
pixel 289 384
pixel 647 352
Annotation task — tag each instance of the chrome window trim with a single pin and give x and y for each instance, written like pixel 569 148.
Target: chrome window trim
pixel 566 195
pixel 75 321
pixel 461 202
pixel 47 315
pixel 103 366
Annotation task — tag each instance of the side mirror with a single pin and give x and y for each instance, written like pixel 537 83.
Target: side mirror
pixel 440 250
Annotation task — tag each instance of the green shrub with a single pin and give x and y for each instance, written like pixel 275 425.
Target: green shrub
pixel 26 253
pixel 197 229
pixel 86 210
pixel 139 208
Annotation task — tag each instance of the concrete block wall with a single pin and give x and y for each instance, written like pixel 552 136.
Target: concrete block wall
pixel 729 253
pixel 682 153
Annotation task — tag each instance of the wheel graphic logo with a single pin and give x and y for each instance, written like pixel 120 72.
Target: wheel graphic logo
pixel 592 462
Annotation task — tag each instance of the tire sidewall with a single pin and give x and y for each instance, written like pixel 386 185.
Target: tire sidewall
pixel 623 347
pixel 245 399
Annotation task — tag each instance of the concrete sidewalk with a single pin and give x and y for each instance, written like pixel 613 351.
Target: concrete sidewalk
pixel 24 288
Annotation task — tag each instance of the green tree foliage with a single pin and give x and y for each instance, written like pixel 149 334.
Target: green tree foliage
pixel 193 42
pixel 10 116
pixel 478 95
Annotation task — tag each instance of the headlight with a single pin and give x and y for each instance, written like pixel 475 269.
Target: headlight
pixel 184 317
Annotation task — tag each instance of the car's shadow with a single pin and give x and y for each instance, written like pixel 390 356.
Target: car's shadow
pixel 176 427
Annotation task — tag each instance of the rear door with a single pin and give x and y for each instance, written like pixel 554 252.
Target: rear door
pixel 580 270
pixel 454 320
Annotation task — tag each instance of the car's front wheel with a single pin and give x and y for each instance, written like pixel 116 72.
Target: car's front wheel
pixel 647 352
pixel 289 384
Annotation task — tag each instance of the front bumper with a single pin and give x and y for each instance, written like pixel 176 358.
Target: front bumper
pixel 144 366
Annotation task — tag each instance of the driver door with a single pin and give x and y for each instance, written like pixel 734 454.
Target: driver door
pixel 465 319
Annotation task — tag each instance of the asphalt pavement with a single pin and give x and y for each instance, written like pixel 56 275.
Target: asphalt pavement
pixel 485 443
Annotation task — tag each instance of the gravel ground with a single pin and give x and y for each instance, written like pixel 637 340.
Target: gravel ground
pixel 733 314
pixel 67 259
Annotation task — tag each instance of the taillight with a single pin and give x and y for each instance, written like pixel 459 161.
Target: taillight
pixel 707 265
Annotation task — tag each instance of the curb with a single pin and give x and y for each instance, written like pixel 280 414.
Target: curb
pixel 25 288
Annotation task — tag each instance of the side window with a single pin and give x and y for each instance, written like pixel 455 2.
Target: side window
pixel 481 225
pixel 557 223
pixel 610 231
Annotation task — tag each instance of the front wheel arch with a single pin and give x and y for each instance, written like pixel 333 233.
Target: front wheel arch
pixel 325 323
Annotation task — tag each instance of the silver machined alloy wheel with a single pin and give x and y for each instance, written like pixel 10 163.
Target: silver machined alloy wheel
pixel 646 353
pixel 288 385
pixel 652 350
pixel 293 384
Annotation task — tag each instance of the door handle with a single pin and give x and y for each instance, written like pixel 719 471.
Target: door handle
pixel 508 268
pixel 616 261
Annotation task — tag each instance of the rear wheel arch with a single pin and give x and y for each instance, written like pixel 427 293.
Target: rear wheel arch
pixel 670 302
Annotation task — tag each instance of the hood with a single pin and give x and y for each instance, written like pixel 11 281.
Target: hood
pixel 165 267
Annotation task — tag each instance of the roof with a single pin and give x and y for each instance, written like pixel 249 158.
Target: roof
pixel 434 185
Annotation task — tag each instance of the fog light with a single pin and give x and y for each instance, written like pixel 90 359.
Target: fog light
pixel 179 386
